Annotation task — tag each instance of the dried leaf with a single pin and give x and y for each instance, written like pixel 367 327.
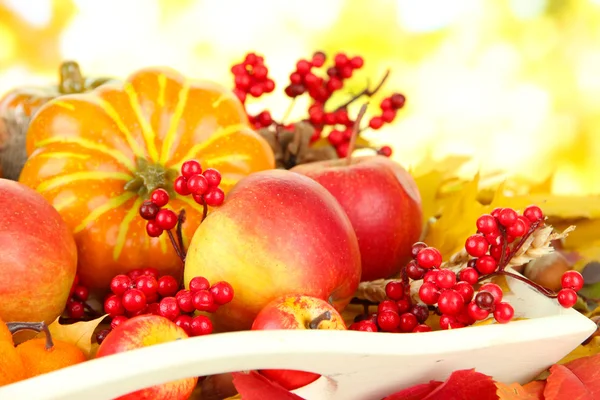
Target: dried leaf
pixel 514 391
pixel 590 349
pixel 417 392
pixel 253 386
pixel 465 385
pixel 536 388
pixel 79 333
pixel 564 207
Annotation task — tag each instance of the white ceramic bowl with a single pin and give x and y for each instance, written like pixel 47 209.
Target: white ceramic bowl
pixel 355 365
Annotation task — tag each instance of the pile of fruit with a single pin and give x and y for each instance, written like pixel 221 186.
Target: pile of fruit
pixel 156 204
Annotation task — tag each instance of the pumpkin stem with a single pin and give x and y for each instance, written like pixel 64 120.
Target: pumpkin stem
pixel 71 79
pixel 15 327
pixel 150 176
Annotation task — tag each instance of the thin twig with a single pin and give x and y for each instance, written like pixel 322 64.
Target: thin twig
pixel 366 91
pixel 175 246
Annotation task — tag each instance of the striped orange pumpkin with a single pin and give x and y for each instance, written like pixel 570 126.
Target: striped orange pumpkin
pixel 95 156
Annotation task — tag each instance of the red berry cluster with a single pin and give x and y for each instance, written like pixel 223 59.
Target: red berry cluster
pixel 571 282
pixel 389 108
pixel 202 185
pixel 78 295
pixel 142 291
pixel 457 297
pixel 319 81
pixel 396 314
pixel 251 77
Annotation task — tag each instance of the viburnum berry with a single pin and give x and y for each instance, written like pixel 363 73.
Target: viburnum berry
pixel 429 257
pixel 487 224
pixel 213 177
pixel 153 229
pixel 422 328
pixel 494 290
pixel 190 168
pixel 203 300
pixel 75 309
pixel 199 283
pixel 385 151
pixel 197 184
pixel 408 322
pixel 364 326
pixel 376 123
pixel 222 292
pixel 387 305
pixel 134 300
pixel 166 219
pixel 533 213
pixel 201 325
pixel 160 197
pixel 414 271
pixel 388 321
pixel 416 248
pixel 431 276
pixel 503 312
pixel 214 197
pixel 117 320
pixel 567 298
pixel 153 308
pixel 450 302
pixel 403 305
pixel 168 308
pixel 167 286
pixel 449 322
pixel 571 280
pixel 465 289
pixel 476 245
pixel 180 186
pixel 445 279
pixel 394 290
pixel 81 292
pixel 421 312
pixel 477 313
pixel 185 301
pixel 149 286
pixel 184 321
pixel 100 336
pixel 469 275
pixel 486 265
pixel 507 217
pixel 113 306
pixel 148 210
pixel 485 300
pixel 119 284
pixel 429 293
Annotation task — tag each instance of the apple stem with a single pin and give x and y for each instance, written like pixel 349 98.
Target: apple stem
pixel 314 324
pixel 15 327
pixel 355 132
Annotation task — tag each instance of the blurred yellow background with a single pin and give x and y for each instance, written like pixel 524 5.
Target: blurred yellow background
pixel 514 84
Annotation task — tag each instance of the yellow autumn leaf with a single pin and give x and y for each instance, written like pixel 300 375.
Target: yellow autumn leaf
pixel 459 214
pixel 79 333
pixel 590 349
pixel 431 176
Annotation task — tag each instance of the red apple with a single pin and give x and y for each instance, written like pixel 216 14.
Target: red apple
pixel 277 233
pixel 144 331
pixel 296 312
pixel 384 206
pixel 38 256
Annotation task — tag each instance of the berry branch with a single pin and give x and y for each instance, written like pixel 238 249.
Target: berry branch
pixel 460 291
pixel 320 82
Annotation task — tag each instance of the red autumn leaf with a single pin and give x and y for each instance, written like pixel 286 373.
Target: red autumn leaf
pixel 417 392
pixel 254 386
pixel 564 384
pixel 536 389
pixel 514 391
pixel 465 385
pixel 587 369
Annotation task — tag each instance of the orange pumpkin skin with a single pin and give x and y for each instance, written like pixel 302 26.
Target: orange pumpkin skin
pixel 84 148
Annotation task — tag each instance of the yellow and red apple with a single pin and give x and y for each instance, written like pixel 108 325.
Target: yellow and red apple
pixel 296 312
pixel 277 233
pixel 383 203
pixel 144 331
pixel 38 257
